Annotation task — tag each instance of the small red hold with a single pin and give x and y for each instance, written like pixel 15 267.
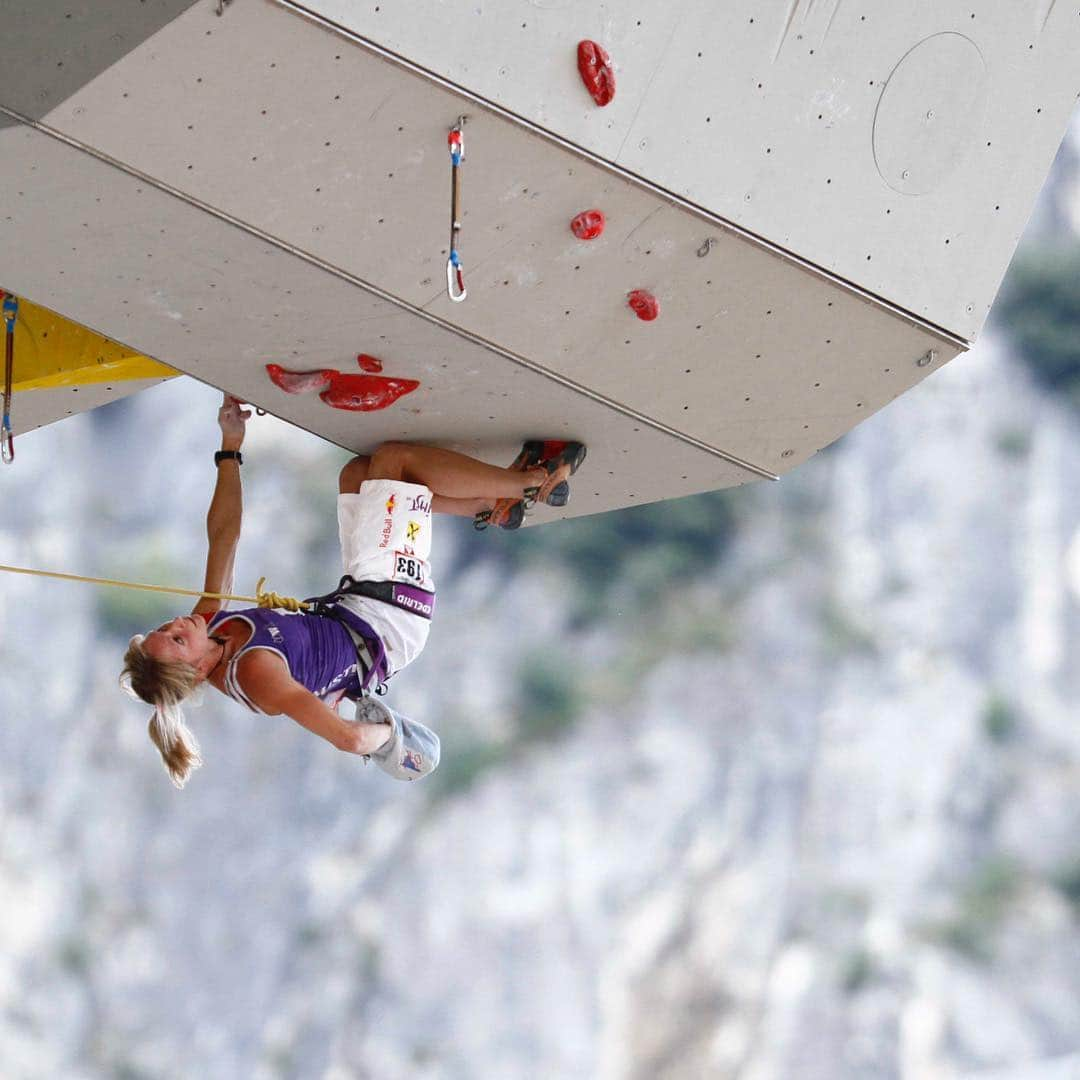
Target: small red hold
pixel 299 382
pixel 365 393
pixel 645 305
pixel 588 225
pixel 594 64
pixel 369 363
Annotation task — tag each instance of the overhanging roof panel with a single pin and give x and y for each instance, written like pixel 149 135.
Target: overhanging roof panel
pixel 336 152
pixel 220 304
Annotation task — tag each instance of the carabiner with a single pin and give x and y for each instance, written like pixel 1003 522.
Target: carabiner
pixel 455 278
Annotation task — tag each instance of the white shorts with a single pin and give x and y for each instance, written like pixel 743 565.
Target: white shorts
pixel 385 531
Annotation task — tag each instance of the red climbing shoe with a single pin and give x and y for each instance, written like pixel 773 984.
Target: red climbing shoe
pixel 510 513
pixel 539 452
pixel 554 457
pixel 506 513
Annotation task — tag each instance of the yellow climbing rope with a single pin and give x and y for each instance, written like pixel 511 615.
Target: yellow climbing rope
pixel 262 598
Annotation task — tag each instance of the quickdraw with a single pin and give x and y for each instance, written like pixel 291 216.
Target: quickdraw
pixel 455 274
pixel 7 439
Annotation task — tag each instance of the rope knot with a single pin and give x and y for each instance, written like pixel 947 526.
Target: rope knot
pixel 266 599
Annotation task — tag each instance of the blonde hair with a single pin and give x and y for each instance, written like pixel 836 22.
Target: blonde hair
pixel 164 684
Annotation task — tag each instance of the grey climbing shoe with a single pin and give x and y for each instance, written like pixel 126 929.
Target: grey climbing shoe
pixel 412 751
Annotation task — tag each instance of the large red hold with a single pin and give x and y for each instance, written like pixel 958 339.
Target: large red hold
pixel 299 382
pixel 356 393
pixel 588 225
pixel 645 305
pixel 594 64
pixel 365 393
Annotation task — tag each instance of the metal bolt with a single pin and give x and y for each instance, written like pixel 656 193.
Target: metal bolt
pixel 788 453
pixel 706 247
pixel 927 358
pixel 904 175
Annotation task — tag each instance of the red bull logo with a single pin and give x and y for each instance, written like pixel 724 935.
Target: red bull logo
pixel 388 522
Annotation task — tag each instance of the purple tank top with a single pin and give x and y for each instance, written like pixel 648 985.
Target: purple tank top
pixel 319 653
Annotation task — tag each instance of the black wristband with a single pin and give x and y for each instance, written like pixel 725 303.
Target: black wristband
pixel 225 455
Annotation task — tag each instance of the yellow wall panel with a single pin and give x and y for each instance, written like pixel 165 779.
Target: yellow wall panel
pixel 51 351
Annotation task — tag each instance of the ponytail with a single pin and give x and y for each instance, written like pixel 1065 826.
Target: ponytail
pixel 164 684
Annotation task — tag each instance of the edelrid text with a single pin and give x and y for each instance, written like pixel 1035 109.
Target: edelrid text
pixel 413 604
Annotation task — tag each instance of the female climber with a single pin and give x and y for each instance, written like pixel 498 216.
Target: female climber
pixel 375 623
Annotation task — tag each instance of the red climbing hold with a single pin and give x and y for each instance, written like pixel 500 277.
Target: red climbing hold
pixel 299 382
pixel 357 393
pixel 369 363
pixel 596 71
pixel 365 393
pixel 645 305
pixel 588 225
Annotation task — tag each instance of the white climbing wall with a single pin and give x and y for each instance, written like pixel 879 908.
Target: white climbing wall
pixel 899 146
pixel 263 187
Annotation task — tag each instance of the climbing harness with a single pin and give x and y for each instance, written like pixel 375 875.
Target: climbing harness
pixel 7 440
pixel 370 650
pixel 407 597
pixel 455 274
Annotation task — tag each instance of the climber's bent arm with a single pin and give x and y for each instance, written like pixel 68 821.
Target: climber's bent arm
pixel 267 682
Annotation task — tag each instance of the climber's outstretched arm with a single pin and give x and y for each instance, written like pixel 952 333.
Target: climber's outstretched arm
pixel 226 509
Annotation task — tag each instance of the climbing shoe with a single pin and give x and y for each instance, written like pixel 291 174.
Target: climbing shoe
pixel 549 453
pixel 553 456
pixel 506 513
pixel 536 452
